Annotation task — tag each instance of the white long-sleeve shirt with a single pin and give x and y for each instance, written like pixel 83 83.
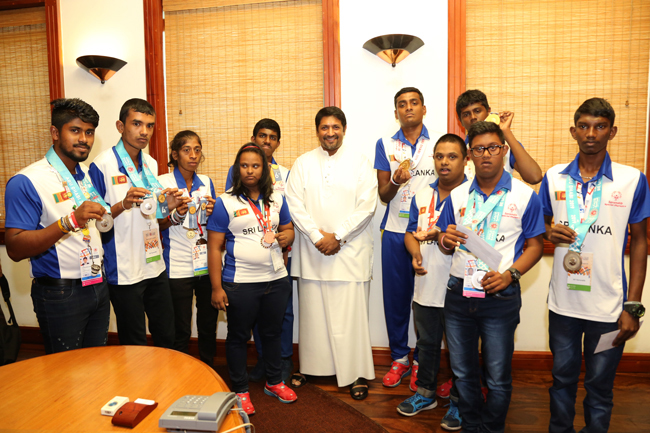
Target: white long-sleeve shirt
pixel 336 194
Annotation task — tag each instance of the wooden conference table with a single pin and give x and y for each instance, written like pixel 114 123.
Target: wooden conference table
pixel 65 392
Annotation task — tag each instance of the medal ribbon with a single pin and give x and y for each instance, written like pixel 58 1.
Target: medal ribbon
pixel 494 205
pixel 577 210
pixel 417 155
pixel 432 211
pixel 265 220
pixel 148 182
pixel 77 194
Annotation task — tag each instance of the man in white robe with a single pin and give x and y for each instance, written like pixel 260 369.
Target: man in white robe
pixel 332 196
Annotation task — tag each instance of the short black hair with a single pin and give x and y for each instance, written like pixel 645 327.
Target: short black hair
pixel 267 124
pixel 408 90
pixel 483 127
pixel 470 97
pixel 452 138
pixel 597 107
pixel 179 141
pixel 331 111
pixel 265 184
pixel 66 110
pixel 138 105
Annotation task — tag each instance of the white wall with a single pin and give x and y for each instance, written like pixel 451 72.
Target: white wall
pixel 368 87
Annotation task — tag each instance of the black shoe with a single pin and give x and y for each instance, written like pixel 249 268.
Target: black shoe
pixel 286 368
pixel 258 373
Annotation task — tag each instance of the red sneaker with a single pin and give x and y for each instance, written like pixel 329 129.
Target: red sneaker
pixel 414 377
pixel 281 392
pixel 444 389
pixel 245 400
pixel 395 374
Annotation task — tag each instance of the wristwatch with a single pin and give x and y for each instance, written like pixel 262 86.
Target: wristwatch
pixel 515 274
pixel 635 309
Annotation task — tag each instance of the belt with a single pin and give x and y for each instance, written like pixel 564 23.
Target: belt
pixel 57 282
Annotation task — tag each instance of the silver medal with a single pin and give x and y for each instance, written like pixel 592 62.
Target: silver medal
pixel 476 279
pixel 148 206
pixel 105 224
pixel 572 261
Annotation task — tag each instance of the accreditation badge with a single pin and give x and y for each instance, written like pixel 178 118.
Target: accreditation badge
pixel 276 257
pixel 200 259
pixel 405 196
pixel 469 280
pixel 91 272
pixel 151 245
pixel 581 279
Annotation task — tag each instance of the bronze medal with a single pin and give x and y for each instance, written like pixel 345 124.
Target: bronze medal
pixel 269 237
pixel 572 261
pixel 405 165
pixel 161 198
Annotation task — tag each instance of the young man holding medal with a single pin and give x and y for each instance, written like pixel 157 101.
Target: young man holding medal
pixel 332 195
pixel 592 201
pixel 405 165
pixel 267 134
pixel 431 267
pixel 482 302
pixel 126 178
pixel 51 206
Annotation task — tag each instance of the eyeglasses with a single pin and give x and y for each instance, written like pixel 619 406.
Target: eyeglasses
pixel 494 150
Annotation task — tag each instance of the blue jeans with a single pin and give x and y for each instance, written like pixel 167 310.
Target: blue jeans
pixel 493 319
pixel 565 338
pixel 72 316
pixel 249 303
pixel 429 322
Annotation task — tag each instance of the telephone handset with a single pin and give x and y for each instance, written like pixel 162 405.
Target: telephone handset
pixel 198 412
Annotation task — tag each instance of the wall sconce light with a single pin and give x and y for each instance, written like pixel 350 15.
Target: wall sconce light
pixel 393 48
pixel 102 67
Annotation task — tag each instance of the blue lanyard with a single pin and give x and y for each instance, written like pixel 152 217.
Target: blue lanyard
pixel 575 207
pixel 494 204
pixel 78 195
pixel 148 182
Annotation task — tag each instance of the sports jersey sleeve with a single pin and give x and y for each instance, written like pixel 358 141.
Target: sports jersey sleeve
pixel 641 202
pixel 381 162
pixel 413 216
pixel 545 197
pixel 285 216
pixel 23 204
pixel 219 221
pixel 212 193
pixel 532 222
pixel 512 159
pixel 447 214
pixel 229 179
pixel 97 178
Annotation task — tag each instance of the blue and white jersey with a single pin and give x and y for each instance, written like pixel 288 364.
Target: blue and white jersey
pixel 522 219
pixel 36 198
pixel 431 288
pixel 279 173
pixel 177 247
pixel 625 200
pixel 246 260
pixel 124 255
pixel 389 153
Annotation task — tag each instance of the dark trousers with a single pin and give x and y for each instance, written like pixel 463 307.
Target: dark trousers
pixel 429 322
pixel 249 303
pixel 72 316
pixel 183 291
pixel 132 301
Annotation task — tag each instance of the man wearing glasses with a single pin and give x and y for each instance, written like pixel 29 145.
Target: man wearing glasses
pixel 481 301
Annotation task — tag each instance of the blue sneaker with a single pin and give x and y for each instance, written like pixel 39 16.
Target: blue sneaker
pixel 416 404
pixel 452 420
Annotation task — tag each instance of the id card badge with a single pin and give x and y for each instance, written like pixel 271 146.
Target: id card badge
pixel 469 289
pixel 405 202
pixel 581 280
pixel 151 245
pixel 276 257
pixel 88 274
pixel 200 259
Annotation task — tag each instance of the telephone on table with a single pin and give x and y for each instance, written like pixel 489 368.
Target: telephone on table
pixel 198 412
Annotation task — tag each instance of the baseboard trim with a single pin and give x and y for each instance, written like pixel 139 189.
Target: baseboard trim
pixel 521 360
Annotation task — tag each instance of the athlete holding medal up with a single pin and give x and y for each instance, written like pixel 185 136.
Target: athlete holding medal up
pixel 252 285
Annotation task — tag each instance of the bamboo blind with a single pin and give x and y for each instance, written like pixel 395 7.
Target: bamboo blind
pixel 24 93
pixel 542 59
pixel 228 67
